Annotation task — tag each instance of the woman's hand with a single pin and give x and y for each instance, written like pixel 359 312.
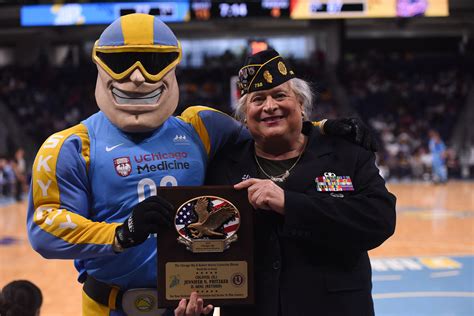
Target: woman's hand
pixel 195 307
pixel 264 194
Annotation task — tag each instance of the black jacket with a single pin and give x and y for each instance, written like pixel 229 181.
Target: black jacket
pixel 313 260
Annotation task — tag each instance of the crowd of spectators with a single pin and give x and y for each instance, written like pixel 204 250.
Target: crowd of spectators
pixel 48 98
pixel 210 84
pixel 13 176
pixel 403 97
pixel 45 98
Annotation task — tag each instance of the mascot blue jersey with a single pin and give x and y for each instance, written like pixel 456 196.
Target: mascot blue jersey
pixel 87 179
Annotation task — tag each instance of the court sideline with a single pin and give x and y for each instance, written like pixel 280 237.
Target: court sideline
pixel 426 268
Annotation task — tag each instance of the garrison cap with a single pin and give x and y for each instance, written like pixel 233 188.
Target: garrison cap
pixel 262 71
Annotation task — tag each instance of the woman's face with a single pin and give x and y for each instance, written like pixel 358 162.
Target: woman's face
pixel 274 114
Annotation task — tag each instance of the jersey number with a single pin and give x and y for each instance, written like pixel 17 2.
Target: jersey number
pixel 166 181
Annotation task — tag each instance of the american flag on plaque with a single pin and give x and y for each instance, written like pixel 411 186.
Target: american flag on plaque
pixel 207 217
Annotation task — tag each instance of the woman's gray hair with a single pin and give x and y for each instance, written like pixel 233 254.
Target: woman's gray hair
pixel 300 87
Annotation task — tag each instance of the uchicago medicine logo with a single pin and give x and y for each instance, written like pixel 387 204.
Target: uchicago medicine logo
pixel 123 166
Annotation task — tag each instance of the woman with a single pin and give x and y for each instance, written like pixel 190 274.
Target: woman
pixel 320 202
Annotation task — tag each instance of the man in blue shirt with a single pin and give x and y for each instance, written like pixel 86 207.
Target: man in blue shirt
pixel 438 154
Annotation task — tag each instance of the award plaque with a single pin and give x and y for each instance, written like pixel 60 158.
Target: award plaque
pixel 208 249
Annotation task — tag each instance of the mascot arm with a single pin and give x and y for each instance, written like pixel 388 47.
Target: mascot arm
pixel 57 221
pixel 215 128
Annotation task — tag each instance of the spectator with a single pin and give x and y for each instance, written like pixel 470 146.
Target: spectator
pixel 7 177
pixel 438 153
pixel 20 298
pixel 19 167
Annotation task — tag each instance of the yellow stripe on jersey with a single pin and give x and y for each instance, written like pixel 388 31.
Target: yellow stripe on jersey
pixel 81 131
pixel 190 115
pixel 46 195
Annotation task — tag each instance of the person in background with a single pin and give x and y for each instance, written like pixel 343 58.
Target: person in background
pixel 7 177
pixel 3 177
pixel 320 203
pixel 20 298
pixel 438 154
pixel 19 167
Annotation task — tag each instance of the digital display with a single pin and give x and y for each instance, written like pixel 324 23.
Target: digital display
pixel 207 9
pixel 327 9
pixel 100 13
pixel 204 10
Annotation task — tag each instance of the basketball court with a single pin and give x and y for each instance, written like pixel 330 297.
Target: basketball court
pixel 425 269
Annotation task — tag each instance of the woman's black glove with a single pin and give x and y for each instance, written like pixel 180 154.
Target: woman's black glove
pixel 352 129
pixel 147 217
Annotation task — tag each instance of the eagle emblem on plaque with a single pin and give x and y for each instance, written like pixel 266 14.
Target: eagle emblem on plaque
pixel 207 224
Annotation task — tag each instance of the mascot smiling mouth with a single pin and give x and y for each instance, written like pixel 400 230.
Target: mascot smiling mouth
pixel 126 97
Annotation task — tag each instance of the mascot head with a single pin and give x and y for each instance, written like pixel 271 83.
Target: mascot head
pixel 136 86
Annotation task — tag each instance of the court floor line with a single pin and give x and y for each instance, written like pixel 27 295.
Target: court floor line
pixel 422 294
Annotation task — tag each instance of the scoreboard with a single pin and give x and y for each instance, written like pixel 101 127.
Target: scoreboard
pixel 205 10
pixel 317 9
pixel 100 12
pixel 327 9
pixel 209 9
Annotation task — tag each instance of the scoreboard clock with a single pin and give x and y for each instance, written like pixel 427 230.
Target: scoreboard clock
pixel 208 9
